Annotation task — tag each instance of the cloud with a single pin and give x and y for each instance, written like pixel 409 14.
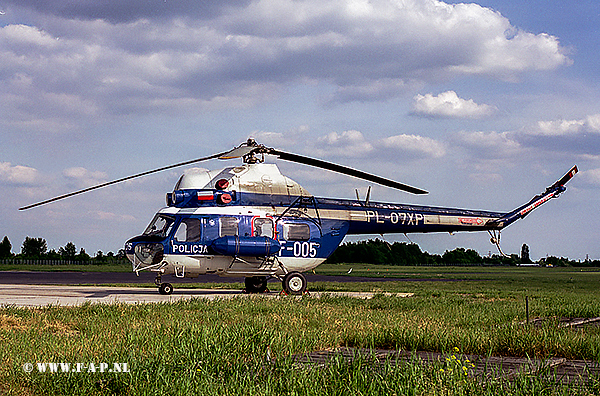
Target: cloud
pixel 127 11
pixel 590 124
pixel 93 59
pixel 566 137
pixel 353 144
pixel 278 139
pixel 490 145
pixel 346 144
pixel 17 175
pixel 413 145
pixel 591 176
pixel 81 178
pixel 449 105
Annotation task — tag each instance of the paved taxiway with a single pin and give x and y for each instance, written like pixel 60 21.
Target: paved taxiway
pixel 99 278
pixel 43 295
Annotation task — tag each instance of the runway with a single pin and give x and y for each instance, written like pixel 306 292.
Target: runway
pixel 45 295
pixel 111 278
pixel 67 288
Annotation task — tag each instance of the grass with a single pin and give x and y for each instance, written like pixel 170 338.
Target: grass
pixel 243 346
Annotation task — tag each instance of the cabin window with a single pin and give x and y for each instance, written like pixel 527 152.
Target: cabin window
pixel 228 226
pixel 161 225
pixel 189 230
pixel 263 227
pixel 296 232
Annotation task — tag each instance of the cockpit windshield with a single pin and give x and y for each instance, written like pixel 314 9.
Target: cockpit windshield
pixel 161 225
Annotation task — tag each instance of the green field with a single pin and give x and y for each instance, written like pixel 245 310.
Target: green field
pixel 243 346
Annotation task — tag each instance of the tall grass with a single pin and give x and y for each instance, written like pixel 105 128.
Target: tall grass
pixel 244 346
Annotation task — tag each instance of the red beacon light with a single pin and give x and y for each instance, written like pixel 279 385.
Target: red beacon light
pixel 224 199
pixel 222 184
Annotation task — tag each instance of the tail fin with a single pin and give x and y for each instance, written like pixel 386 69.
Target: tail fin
pixel 551 192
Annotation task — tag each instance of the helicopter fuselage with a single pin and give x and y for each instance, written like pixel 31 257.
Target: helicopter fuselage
pixel 251 221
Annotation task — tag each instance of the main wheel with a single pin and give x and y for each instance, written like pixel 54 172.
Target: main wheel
pixel 256 284
pixel 165 288
pixel 294 283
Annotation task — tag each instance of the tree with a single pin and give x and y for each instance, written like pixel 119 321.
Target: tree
pixel 5 248
pixel 34 247
pixel 525 254
pixel 68 252
pixel 461 256
pixel 99 255
pixel 82 256
pixel 53 255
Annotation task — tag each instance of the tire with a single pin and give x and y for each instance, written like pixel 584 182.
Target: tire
pixel 294 283
pixel 256 284
pixel 165 288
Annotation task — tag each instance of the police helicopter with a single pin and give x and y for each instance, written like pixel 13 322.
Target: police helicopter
pixel 251 221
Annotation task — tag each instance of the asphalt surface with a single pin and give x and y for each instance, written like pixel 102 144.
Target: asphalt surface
pixel 65 295
pixel 98 278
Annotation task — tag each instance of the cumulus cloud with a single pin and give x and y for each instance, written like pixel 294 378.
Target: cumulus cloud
pixel 353 144
pixel 82 178
pixel 566 137
pixel 346 144
pixel 590 124
pixel 95 58
pixel 591 176
pixel 17 175
pixel 127 11
pixel 490 145
pixel 414 145
pixel 449 105
pixel 278 139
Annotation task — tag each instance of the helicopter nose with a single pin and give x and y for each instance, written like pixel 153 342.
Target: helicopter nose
pixel 148 253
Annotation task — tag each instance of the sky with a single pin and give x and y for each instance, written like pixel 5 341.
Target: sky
pixel 483 104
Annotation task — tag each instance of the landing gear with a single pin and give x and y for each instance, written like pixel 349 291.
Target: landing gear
pixel 165 288
pixel 294 283
pixel 256 284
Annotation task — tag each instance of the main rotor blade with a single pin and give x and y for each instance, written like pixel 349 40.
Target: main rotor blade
pixel 238 152
pixel 123 179
pixel 345 170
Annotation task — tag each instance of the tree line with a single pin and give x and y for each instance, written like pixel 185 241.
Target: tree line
pixel 377 251
pixel 374 251
pixel 37 249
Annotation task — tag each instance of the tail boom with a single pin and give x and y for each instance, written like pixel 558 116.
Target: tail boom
pixel 551 192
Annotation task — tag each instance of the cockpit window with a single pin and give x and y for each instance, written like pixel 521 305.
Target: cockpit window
pixel 161 225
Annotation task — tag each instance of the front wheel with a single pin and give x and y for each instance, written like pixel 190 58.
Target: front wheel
pixel 165 288
pixel 294 283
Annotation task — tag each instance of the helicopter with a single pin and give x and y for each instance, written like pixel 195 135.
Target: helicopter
pixel 251 221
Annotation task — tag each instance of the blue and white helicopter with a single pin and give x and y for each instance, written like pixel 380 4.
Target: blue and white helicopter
pixel 251 221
